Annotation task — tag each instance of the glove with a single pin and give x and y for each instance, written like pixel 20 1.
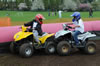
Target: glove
pixel 69 27
pixel 66 29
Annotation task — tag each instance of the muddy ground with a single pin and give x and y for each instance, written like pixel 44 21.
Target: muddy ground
pixel 76 58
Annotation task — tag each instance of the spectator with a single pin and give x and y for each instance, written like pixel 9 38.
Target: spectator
pixel 48 12
pixel 90 12
pixel 60 14
pixel 52 13
pixel 55 13
pixel 7 14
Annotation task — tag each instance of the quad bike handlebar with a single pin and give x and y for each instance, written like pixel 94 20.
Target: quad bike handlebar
pixel 66 27
pixel 25 29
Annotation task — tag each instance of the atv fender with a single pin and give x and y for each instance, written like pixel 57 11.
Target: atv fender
pixel 44 38
pixel 21 35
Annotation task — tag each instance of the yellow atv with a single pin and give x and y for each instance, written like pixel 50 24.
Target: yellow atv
pixel 25 44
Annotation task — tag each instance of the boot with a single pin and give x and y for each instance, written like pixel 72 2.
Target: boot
pixel 38 45
pixel 79 45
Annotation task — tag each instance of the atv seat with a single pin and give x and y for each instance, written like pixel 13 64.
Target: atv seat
pixel 79 34
pixel 83 33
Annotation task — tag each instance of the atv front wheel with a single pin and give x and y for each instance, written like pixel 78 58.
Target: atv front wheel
pixel 50 48
pixel 63 48
pixel 12 50
pixel 90 48
pixel 26 50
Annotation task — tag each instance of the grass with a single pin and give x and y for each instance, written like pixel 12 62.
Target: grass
pixel 20 17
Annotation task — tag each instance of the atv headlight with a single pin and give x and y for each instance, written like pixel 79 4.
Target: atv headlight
pixel 17 36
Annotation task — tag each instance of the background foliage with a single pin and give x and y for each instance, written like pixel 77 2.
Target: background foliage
pixel 69 5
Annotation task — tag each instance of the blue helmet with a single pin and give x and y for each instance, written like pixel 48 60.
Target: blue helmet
pixel 77 14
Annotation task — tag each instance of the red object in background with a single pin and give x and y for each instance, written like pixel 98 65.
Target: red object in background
pixel 5 21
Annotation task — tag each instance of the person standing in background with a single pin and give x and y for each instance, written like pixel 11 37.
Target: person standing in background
pixel 48 12
pixel 60 14
pixel 55 12
pixel 90 12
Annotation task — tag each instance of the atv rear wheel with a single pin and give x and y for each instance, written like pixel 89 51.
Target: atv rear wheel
pixel 26 50
pixel 90 48
pixel 50 47
pixel 63 48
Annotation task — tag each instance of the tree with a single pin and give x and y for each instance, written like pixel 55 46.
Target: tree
pixel 46 4
pixel 90 1
pixel 96 5
pixel 86 1
pixel 77 3
pixel 37 5
pixel 69 5
pixel 28 3
pixel 1 4
pixel 52 4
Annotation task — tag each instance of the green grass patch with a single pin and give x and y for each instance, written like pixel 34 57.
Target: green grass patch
pixel 19 17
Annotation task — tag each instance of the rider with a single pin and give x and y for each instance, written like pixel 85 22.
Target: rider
pixel 78 26
pixel 36 26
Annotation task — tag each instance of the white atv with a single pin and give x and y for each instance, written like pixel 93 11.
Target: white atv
pixel 65 41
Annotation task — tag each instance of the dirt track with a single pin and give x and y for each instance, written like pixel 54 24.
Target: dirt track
pixel 40 59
